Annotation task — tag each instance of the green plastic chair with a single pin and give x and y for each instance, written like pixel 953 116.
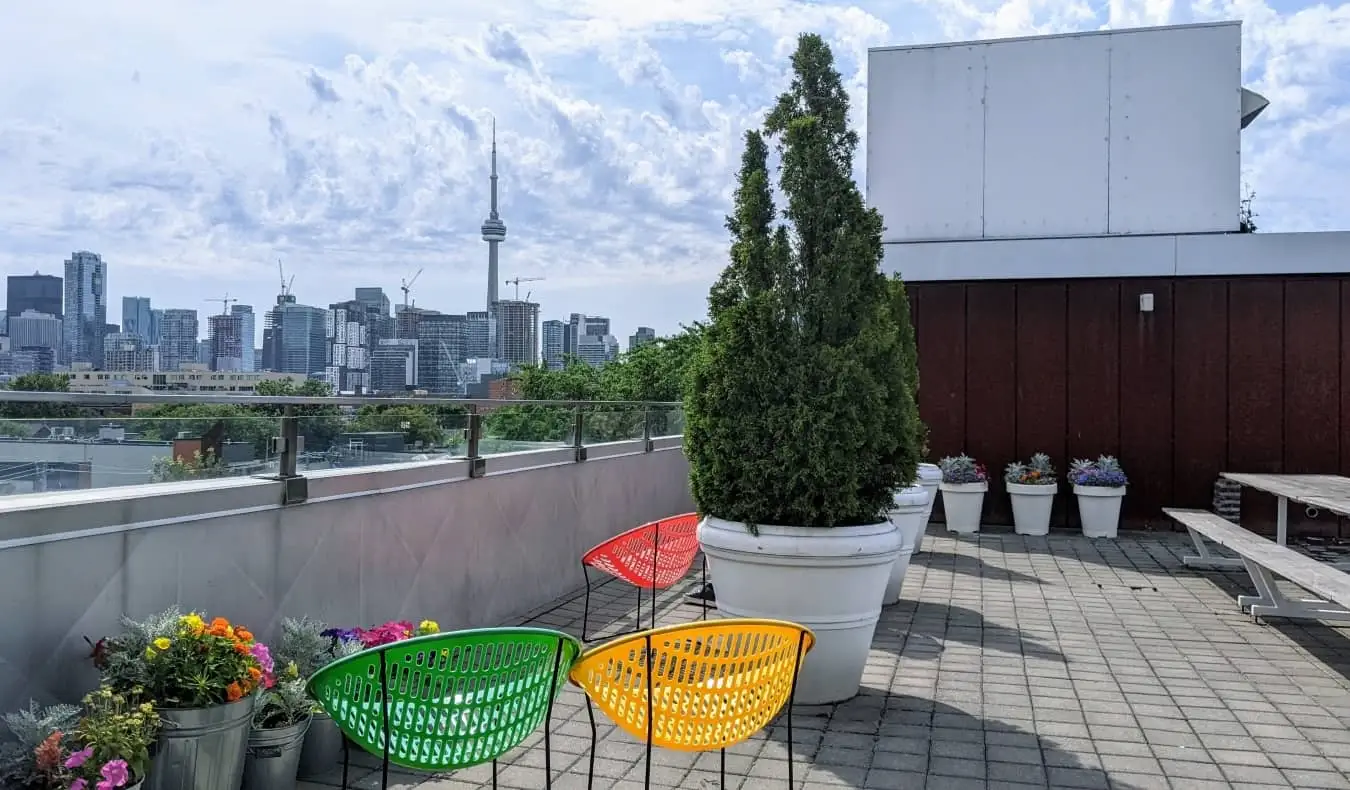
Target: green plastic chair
pixel 447 701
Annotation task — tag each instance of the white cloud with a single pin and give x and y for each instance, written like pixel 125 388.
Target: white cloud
pixel 195 143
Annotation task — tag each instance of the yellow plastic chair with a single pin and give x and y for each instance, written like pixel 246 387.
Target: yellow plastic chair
pixel 713 684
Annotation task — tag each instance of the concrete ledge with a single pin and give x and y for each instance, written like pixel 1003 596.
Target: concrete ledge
pixel 667 443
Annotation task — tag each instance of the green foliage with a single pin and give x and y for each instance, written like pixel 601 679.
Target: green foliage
pixel 416 423
pixel 200 466
pixel 241 423
pixel 284 704
pixel 29 729
pixel 909 346
pixel 800 406
pixel 40 382
pixel 117 728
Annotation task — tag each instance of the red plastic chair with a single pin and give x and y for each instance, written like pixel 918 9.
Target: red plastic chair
pixel 650 557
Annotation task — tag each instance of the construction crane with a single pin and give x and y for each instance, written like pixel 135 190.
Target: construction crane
pixel 285 284
pixel 518 280
pixel 224 303
pixel 407 286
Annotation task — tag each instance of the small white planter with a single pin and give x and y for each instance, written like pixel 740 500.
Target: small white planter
pixel 1099 509
pixel 829 580
pixel 1031 506
pixel 907 514
pixel 930 477
pixel 963 503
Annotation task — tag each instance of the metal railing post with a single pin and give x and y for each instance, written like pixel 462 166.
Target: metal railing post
pixel 647 430
pixel 295 488
pixel 578 445
pixel 477 464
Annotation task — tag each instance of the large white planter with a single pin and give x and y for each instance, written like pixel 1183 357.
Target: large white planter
pixel 829 580
pixel 930 477
pixel 963 503
pixel 1099 509
pixel 1031 506
pixel 907 514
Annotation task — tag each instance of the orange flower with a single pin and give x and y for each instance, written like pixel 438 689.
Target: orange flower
pixel 233 692
pixel 243 634
pixel 254 673
pixel 241 648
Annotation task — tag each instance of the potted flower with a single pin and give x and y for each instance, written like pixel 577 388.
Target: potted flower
pixel 105 749
pixel 1099 485
pixel 798 412
pixel 280 721
pixel 308 645
pixel 200 675
pixel 964 483
pixel 1031 486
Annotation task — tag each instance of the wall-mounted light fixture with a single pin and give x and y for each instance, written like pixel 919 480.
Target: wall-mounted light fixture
pixel 1145 303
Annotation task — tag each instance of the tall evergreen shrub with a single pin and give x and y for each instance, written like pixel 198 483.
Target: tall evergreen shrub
pixel 800 410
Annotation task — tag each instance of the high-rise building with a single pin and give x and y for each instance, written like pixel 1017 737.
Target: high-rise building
pixel 43 293
pixel 494 230
pixel 138 318
pixel 379 323
pixel 597 350
pixel 23 360
pixel 552 344
pixel 393 365
pixel 225 332
pixel 177 339
pixel 33 329
pixel 517 332
pixel 374 300
pixel 345 330
pixel 86 307
pixel 124 351
pixel 271 348
pixel 156 322
pixel 441 344
pixel 479 341
pixel 301 344
pixel 248 340
pixel 580 325
pixel 642 337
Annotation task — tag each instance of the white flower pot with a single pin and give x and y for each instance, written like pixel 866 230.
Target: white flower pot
pixel 963 503
pixel 1031 506
pixel 829 580
pixel 930 476
pixel 1099 509
pixel 907 514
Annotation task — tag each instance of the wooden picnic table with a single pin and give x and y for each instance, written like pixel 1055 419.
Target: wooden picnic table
pixel 1324 492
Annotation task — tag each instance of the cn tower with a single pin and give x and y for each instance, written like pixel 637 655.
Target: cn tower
pixel 494 231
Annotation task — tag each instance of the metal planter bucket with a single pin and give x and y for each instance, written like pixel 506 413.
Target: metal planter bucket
pixel 322 748
pixel 274 757
pixel 201 748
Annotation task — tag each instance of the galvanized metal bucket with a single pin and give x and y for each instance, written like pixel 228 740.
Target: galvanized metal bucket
pixel 274 757
pixel 201 748
pixel 322 748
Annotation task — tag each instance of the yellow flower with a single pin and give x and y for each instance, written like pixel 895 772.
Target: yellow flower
pixel 428 627
pixel 292 670
pixel 193 623
pixel 162 643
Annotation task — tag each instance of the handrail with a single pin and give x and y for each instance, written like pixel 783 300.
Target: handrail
pixel 132 399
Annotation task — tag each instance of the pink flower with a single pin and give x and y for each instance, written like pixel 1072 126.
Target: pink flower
pixel 76 759
pixel 263 656
pixel 79 784
pixel 114 774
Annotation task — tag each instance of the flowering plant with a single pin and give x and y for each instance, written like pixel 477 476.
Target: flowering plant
pixel 962 469
pixel 32 728
pixel 392 631
pixel 1105 472
pixel 108 748
pixel 1039 472
pixel 183 661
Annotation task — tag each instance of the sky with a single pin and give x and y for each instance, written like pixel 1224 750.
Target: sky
pixel 193 144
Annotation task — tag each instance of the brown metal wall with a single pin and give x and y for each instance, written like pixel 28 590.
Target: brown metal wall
pixel 1226 374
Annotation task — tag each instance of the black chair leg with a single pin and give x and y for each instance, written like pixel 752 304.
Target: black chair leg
pixel 648 668
pixel 384 711
pixel 703 589
pixel 722 770
pixel 346 760
pixel 548 716
pixel 586 610
pixel 494 775
pixel 595 737
pixel 792 695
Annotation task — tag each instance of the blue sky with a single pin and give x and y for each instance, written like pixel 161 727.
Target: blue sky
pixel 194 143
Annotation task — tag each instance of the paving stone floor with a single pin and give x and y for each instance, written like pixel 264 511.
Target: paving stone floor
pixel 1014 663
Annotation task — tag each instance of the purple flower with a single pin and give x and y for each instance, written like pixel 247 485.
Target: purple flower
pixel 115 774
pixel 79 784
pixel 264 657
pixel 76 759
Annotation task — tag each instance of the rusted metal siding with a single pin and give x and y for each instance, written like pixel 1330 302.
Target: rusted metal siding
pixel 1225 374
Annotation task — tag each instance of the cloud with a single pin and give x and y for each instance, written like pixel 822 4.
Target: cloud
pixel 194 145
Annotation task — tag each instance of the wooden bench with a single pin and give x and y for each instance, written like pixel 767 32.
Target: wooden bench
pixel 1264 559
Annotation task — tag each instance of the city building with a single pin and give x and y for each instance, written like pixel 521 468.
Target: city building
pixel 580 325
pixel 346 333
pixel 225 334
pixel 441 343
pixel 178 339
pixel 193 378
pixel 34 329
pixel 300 339
pixel 138 318
pixel 1066 213
pixel 378 320
pixel 42 293
pixel 597 350
pixel 86 308
pixel 127 351
pixel 248 338
pixel 393 365
pixel 480 335
pixel 22 360
pixel 517 324
pixel 551 344
pixel 642 337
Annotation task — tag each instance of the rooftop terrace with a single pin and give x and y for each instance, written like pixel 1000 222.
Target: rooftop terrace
pixel 1013 663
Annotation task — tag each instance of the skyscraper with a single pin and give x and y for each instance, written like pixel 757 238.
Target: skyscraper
pixel 494 230
pixel 518 332
pixel 86 307
pixel 642 337
pixel 41 293
pixel 178 339
pixel 138 318
pixel 552 337
pixel 301 339
pixel 226 335
pixel 441 341
pixel 247 338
